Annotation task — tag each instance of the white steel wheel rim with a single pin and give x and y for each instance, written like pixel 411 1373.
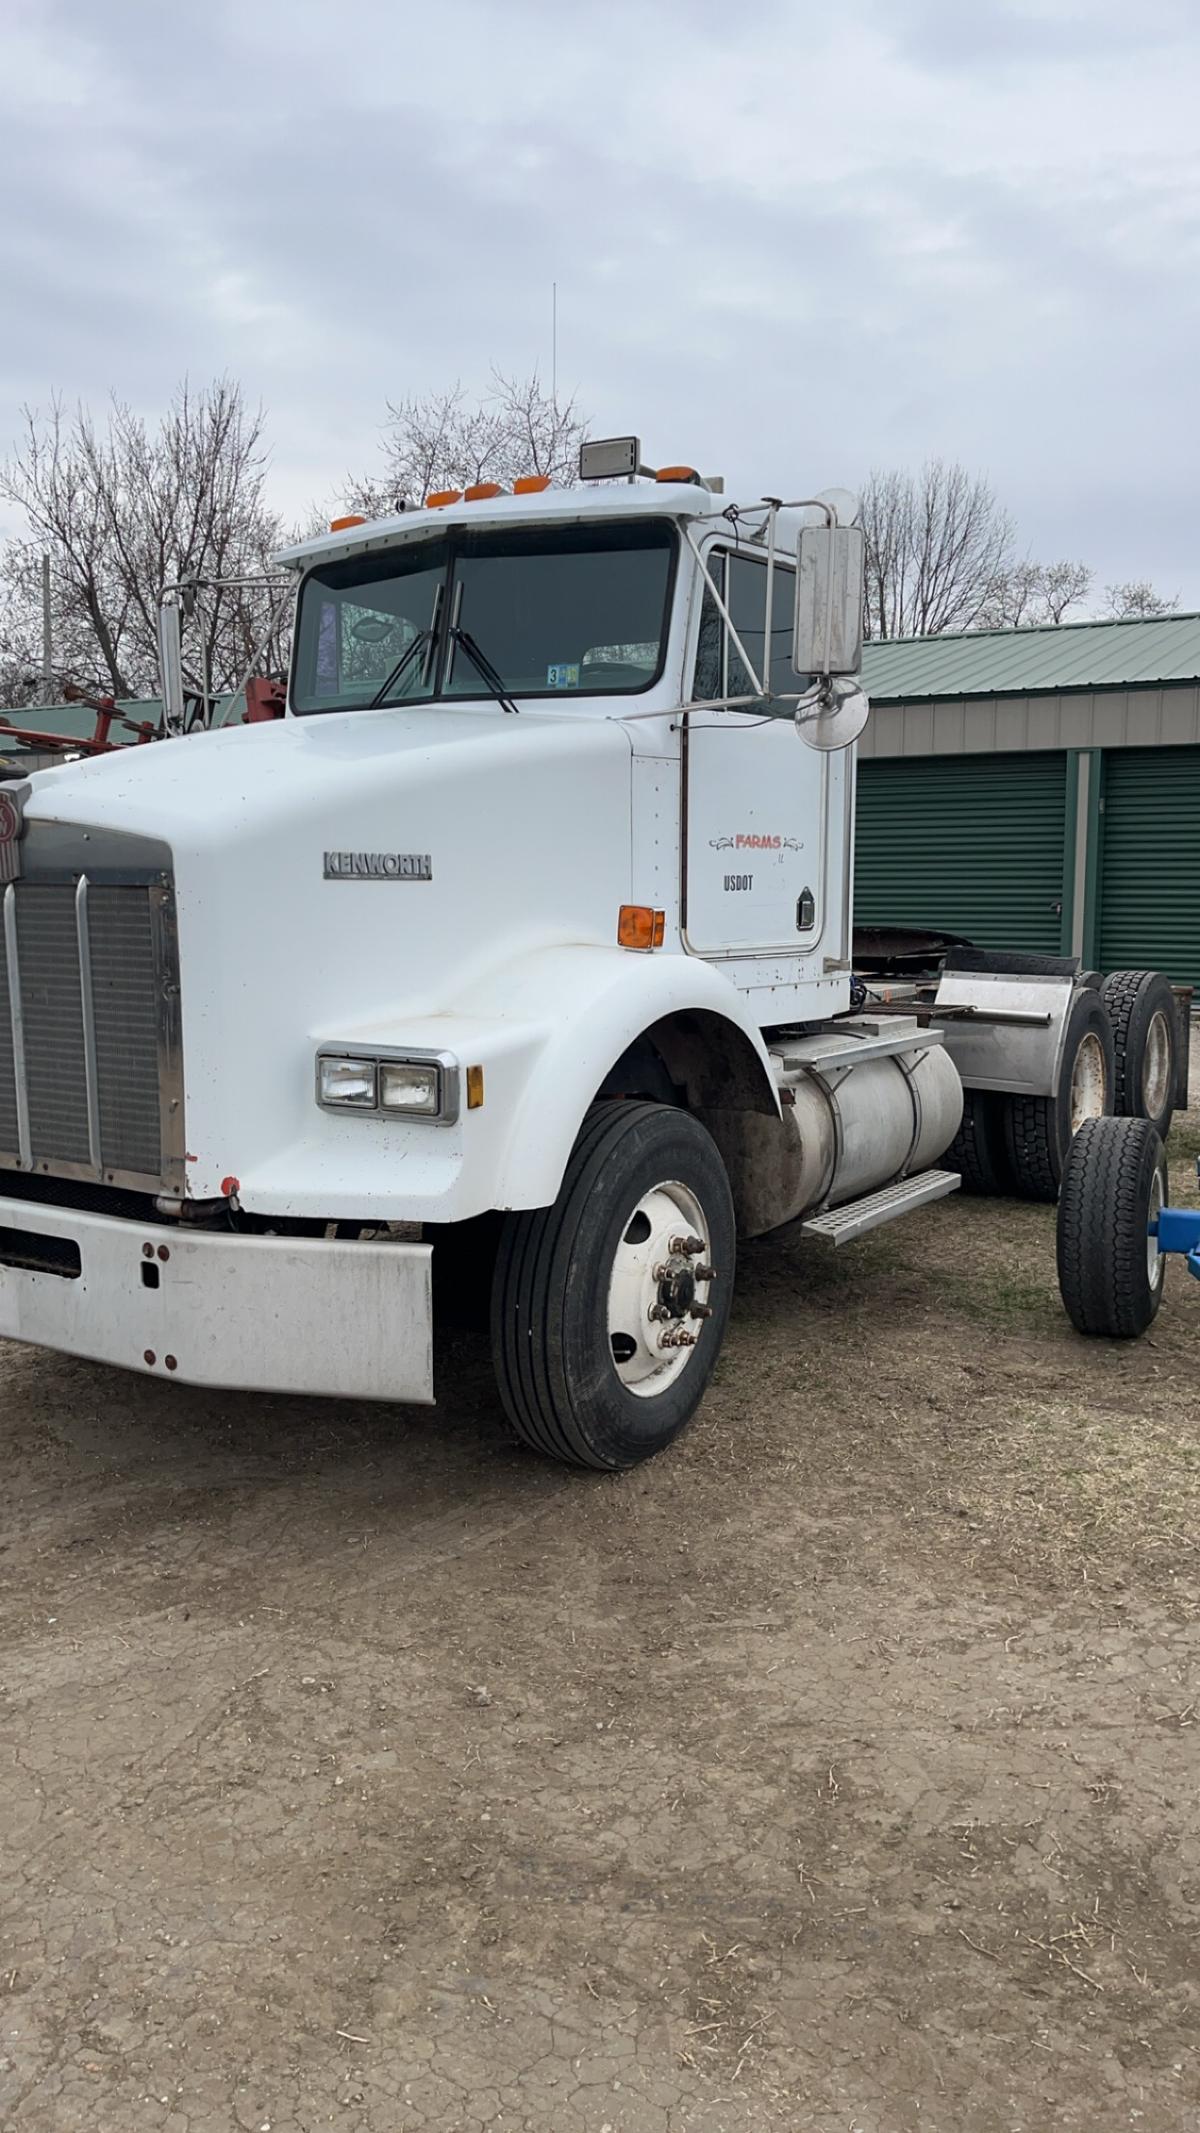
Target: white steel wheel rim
pixel 658 1291
pixel 1155 1260
pixel 1089 1082
pixel 1156 1067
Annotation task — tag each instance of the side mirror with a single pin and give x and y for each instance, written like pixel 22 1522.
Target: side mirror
pixel 170 664
pixel 830 574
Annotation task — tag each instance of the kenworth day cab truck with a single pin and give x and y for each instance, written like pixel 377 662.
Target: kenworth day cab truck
pixel 535 905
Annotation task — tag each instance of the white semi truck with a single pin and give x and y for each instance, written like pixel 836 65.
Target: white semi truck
pixel 535 906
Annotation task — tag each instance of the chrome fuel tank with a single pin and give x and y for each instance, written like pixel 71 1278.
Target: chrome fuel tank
pixel 856 1115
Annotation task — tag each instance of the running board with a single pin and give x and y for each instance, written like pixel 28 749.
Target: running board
pixel 841 1225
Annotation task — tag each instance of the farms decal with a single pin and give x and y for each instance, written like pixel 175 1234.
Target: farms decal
pixel 750 841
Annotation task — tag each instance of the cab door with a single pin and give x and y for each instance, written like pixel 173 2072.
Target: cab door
pixel 754 797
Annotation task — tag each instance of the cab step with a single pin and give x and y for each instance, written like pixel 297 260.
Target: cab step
pixel 841 1225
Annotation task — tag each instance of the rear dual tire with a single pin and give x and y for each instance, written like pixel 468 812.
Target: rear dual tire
pixel 977 1150
pixel 1019 1144
pixel 1039 1130
pixel 1141 1008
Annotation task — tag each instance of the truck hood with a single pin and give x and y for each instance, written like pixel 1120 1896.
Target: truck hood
pixel 520 825
pixel 210 786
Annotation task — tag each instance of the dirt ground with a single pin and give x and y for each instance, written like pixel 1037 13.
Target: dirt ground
pixel 836 1773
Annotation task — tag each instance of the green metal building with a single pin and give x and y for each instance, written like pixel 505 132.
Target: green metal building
pixel 1038 789
pixel 77 722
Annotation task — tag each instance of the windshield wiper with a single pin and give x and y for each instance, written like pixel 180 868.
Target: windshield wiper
pixel 424 641
pixel 420 643
pixel 483 666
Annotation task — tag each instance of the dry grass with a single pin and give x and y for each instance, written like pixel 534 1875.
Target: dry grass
pixel 1065 1480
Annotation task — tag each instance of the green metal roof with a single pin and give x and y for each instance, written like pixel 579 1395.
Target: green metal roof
pixel 1073 655
pixel 76 721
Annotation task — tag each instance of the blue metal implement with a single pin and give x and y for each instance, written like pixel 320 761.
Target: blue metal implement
pixel 1178 1230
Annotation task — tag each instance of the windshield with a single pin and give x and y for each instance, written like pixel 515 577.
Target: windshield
pixel 551 611
pixel 358 619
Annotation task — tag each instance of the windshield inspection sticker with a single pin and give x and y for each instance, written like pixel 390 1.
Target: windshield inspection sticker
pixel 562 677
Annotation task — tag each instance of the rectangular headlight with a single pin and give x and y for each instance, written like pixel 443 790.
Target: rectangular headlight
pixel 406 1086
pixel 423 1085
pixel 347 1081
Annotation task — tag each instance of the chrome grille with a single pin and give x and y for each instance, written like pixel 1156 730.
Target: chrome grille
pixel 89 1051
pixel 126 993
pixel 9 1131
pixel 52 1017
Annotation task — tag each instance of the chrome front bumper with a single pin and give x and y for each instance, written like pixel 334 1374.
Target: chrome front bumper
pixel 255 1314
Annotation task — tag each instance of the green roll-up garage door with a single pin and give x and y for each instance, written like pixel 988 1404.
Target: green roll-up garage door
pixel 972 844
pixel 1149 852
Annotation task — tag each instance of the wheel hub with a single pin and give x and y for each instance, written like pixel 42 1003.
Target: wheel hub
pixel 1089 1082
pixel 1156 1068
pixel 1155 1262
pixel 676 1289
pixel 659 1287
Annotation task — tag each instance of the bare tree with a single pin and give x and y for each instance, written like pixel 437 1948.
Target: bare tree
pixel 21 648
pixel 448 440
pixel 124 510
pixel 1136 601
pixel 938 545
pixel 1064 585
pixel 1032 595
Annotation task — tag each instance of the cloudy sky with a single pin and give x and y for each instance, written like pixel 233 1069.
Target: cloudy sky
pixel 791 241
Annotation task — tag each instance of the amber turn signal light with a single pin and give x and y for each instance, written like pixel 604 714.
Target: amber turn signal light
pixel 640 927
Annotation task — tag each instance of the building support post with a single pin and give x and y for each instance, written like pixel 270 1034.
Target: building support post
pixel 1081 855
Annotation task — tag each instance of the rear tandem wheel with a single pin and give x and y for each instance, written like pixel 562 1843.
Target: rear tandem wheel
pixel 1038 1130
pixel 977 1150
pixel 1141 1008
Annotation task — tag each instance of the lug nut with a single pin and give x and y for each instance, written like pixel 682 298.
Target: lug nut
pixel 706 1273
pixel 678 1339
pixel 687 1246
pixel 701 1311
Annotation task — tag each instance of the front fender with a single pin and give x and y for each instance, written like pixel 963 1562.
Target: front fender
pixel 546 1029
pixel 593 1003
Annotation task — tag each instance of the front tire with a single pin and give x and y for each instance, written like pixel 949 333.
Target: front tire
pixel 609 1308
pixel 1110 1270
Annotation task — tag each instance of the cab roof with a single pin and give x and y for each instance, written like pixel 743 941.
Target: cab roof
pixel 547 507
